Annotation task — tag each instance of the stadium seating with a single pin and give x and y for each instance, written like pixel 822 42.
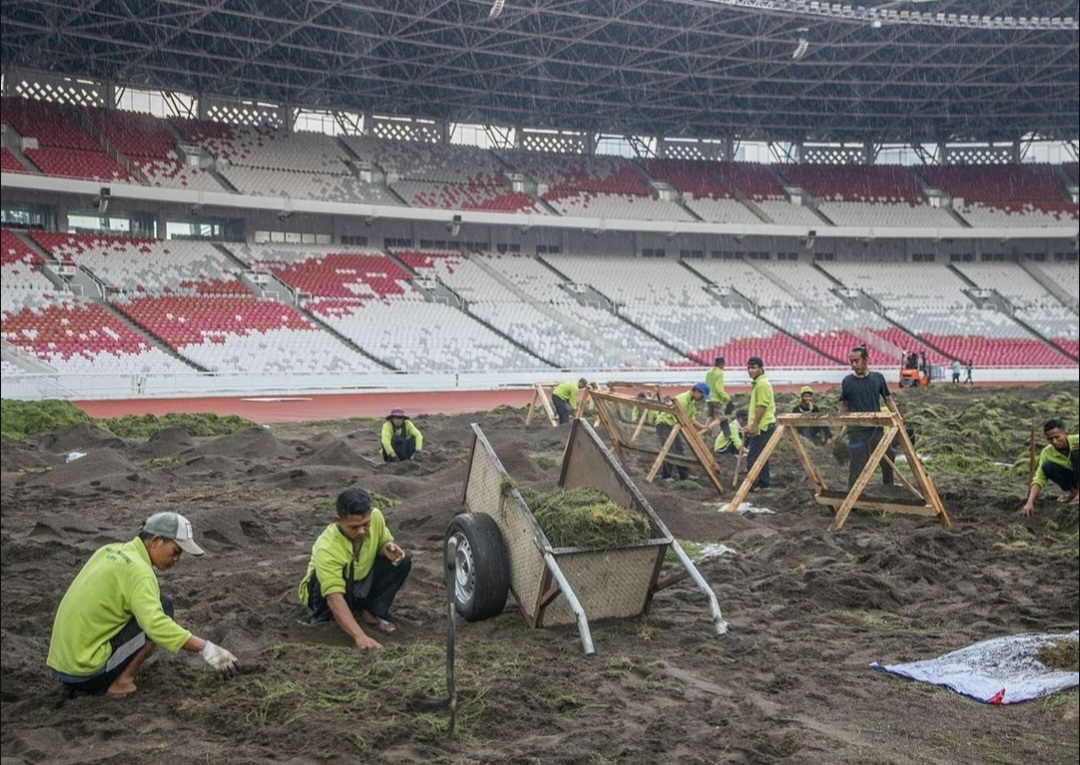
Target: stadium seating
pixel 1005 195
pixel 316 271
pixel 9 163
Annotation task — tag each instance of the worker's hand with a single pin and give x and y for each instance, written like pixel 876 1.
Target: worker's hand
pixel 223 662
pixel 391 458
pixel 416 456
pixel 365 642
pixel 1027 510
pixel 393 553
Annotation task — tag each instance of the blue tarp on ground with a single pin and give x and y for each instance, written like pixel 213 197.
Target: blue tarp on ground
pixel 999 671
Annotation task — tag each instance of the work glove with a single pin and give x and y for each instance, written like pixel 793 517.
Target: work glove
pixel 222 661
pixel 416 456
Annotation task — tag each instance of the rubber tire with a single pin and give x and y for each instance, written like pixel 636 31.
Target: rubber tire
pixel 481 589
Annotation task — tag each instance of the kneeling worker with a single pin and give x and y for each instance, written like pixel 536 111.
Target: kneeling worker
pixel 819 434
pixel 113 613
pixel 1059 462
pixel 356 567
pixel 400 439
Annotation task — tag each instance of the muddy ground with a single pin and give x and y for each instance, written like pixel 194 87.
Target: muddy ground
pixel 808 609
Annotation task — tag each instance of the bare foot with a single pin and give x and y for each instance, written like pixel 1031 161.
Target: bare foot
pixel 121 687
pixel 382 625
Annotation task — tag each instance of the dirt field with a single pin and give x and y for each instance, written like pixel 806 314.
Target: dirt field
pixel 808 610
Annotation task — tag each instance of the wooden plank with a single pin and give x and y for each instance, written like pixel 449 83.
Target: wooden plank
pixel 925 483
pixel 692 437
pixel 880 505
pixel 662 455
pixel 808 464
pixel 755 471
pixel 901 477
pixel 864 419
pixel 864 478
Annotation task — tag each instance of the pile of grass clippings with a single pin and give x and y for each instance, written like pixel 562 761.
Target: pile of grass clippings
pixel 1064 655
pixel 28 418
pixel 586 518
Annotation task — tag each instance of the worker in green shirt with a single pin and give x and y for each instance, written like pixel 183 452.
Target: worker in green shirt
pixel 1059 462
pixel 113 613
pixel 714 378
pixel 665 423
pixel 762 416
pixel 355 571
pixel 728 438
pixel 400 440
pixel 564 398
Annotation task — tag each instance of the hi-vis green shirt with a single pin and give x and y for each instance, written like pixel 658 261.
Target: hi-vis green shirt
pixel 1050 454
pixel 567 391
pixel 333 552
pixel 685 402
pixel 761 394
pixel 722 441
pixel 714 378
pixel 116 584
pixel 385 438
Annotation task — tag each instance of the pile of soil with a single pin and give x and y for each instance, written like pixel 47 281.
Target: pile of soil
pixel 789 683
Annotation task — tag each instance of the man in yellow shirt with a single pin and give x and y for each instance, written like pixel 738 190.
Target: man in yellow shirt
pixel 762 416
pixel 113 613
pixel 714 378
pixel 400 440
pixel 564 398
pixel 1059 462
pixel 356 568
pixel 666 422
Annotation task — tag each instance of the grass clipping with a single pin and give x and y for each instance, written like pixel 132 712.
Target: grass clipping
pixel 1064 655
pixel 586 518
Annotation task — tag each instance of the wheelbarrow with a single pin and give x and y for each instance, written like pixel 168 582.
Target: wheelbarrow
pixel 496 548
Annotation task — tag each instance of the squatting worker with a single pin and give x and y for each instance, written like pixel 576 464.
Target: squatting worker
pixel 865 391
pixel 564 398
pixel 762 411
pixel 113 613
pixel 1059 462
pixel 400 440
pixel 356 570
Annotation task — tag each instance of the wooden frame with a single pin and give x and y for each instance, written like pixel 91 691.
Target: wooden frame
pixel 701 457
pixel 925 497
pixel 542 394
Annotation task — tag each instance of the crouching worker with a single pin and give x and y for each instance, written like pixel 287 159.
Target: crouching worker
pixel 400 439
pixel 355 571
pixel 113 614
pixel 1059 462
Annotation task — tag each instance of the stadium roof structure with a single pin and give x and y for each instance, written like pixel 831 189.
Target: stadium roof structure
pixel 911 71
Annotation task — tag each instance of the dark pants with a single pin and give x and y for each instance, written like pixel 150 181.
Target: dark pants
pixel 374 593
pixel 562 409
pixel 754 446
pixel 125 644
pixel 663 432
pixel 1066 478
pixel 861 450
pixel 404 447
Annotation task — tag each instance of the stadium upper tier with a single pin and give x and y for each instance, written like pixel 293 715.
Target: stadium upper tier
pixel 89 302
pixel 122 147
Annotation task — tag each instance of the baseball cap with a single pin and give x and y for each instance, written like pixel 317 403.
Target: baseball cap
pixel 702 388
pixel 806 389
pixel 175 527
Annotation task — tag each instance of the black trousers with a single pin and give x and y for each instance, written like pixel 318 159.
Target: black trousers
pixel 754 446
pixel 562 409
pixel 404 447
pixel 374 593
pixel 663 432
pixel 125 644
pixel 1066 478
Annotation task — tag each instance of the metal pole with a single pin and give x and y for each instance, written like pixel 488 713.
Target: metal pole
pixel 699 580
pixel 451 630
pixel 572 601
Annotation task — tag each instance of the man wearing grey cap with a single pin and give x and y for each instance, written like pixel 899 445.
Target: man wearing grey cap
pixel 113 613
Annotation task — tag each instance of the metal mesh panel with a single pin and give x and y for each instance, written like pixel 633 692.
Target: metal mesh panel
pixel 608 583
pixel 483 494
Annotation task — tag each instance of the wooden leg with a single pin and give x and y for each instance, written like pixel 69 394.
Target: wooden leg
pixel 663 454
pixel 752 476
pixel 864 478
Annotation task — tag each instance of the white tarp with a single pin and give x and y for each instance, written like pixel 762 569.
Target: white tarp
pixel 999 671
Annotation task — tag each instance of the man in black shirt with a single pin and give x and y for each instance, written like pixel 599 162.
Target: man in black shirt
pixel 864 391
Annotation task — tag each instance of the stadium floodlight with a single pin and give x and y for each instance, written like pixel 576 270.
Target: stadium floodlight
pixel 800 49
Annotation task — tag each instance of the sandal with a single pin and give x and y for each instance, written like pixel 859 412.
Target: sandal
pixel 382 625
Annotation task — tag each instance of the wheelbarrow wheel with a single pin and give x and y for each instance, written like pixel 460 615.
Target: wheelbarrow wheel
pixel 480 571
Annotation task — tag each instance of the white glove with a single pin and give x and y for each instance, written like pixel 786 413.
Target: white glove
pixel 223 662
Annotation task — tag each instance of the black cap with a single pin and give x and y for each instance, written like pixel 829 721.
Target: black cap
pixel 755 361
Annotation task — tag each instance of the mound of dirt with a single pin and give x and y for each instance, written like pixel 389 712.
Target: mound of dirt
pixel 100 468
pixel 252 443
pixel 18 456
pixel 334 452
pixel 77 438
pixel 170 442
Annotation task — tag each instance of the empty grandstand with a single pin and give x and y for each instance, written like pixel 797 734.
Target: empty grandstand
pixel 653 193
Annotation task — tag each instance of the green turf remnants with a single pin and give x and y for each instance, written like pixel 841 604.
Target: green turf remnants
pixel 586 518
